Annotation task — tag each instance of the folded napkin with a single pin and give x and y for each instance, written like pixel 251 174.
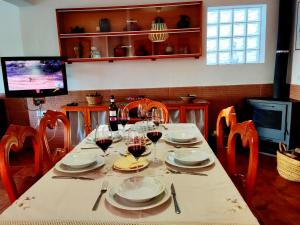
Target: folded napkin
pixel 129 162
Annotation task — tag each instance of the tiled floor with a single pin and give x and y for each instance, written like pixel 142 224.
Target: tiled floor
pixel 276 200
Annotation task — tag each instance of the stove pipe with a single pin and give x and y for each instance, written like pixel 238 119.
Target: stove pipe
pixel 285 21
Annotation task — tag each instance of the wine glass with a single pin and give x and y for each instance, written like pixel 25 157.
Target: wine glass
pixel 157 116
pixel 136 145
pixel 123 117
pixel 103 138
pixel 141 111
pixel 154 133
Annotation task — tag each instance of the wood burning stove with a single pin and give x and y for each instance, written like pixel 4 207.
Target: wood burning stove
pixel 275 121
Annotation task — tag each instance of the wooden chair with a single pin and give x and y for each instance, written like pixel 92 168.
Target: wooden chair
pixel 249 137
pixel 226 118
pixel 149 104
pixel 13 140
pixel 50 120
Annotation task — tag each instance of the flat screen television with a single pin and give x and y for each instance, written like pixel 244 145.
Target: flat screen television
pixel 34 76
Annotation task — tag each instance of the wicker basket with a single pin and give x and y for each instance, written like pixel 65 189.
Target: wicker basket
pixel 288 167
pixel 94 100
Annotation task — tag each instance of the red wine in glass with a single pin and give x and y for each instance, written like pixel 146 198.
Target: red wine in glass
pixel 154 136
pixel 123 122
pixel 104 143
pixel 136 150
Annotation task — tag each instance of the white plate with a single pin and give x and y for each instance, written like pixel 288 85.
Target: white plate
pixel 180 136
pixel 124 151
pixel 190 157
pixel 78 160
pixel 140 189
pixel 66 169
pixel 120 203
pixel 170 159
pixel 194 141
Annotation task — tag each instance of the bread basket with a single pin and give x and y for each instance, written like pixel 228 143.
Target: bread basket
pixel 288 165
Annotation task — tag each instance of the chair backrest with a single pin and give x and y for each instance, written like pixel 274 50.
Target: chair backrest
pixel 50 120
pixel 226 118
pixel 13 140
pixel 249 137
pixel 149 104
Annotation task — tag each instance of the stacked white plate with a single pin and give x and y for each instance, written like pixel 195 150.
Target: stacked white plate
pixel 189 158
pixel 138 193
pixel 179 137
pixel 79 162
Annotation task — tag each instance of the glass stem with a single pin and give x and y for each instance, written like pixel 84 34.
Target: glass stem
pixel 154 149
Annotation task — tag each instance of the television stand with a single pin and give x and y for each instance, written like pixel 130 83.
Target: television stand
pixel 38 101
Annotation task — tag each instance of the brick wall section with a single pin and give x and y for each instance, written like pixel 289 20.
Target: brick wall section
pixel 295 92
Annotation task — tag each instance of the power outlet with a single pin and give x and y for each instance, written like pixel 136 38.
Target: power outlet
pixel 40 113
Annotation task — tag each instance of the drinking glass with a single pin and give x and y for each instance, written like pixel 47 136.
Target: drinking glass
pixel 154 133
pixel 123 117
pixel 157 116
pixel 141 111
pixel 136 145
pixel 103 139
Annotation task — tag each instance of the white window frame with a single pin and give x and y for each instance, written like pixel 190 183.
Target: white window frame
pixel 261 47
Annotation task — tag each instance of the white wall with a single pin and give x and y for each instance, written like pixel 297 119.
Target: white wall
pixel 295 77
pixel 10 33
pixel 39 33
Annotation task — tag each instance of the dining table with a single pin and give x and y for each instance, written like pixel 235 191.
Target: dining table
pixel 210 198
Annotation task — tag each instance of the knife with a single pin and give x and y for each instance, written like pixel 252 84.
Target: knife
pixel 177 209
pixel 72 177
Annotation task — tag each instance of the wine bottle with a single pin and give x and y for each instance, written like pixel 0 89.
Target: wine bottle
pixel 113 119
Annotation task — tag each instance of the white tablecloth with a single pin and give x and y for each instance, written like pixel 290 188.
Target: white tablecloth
pixel 211 199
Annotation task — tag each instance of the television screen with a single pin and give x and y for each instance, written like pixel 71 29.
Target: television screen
pixel 34 76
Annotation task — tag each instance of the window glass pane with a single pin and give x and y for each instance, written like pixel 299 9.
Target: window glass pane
pixel 253 42
pixel 211 58
pixel 224 44
pixel 224 58
pixel 239 15
pixel 212 16
pixel 253 28
pixel 238 57
pixel 225 30
pixel 252 56
pixel 212 45
pixel 225 16
pixel 238 43
pixel 254 14
pixel 239 29
pixel 212 31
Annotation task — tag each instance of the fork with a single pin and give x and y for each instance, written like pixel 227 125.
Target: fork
pixel 103 190
pixel 182 172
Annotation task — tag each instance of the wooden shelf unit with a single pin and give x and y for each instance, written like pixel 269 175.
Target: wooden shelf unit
pixel 185 42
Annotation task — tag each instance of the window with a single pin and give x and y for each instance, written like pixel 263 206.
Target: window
pixel 236 34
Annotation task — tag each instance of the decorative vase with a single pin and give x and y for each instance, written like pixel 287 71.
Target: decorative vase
pixel 104 25
pixel 184 22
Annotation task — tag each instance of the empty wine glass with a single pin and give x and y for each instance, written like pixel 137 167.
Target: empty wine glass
pixel 123 117
pixel 157 116
pixel 141 111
